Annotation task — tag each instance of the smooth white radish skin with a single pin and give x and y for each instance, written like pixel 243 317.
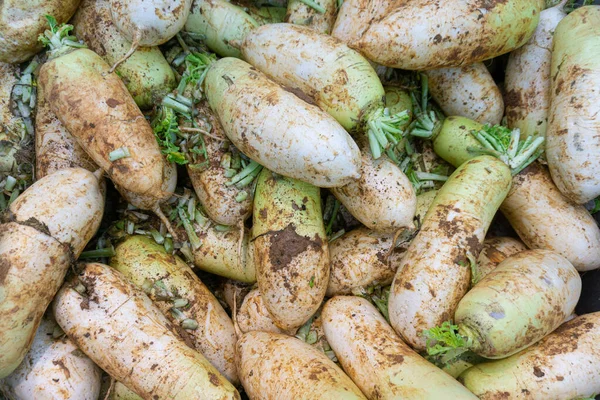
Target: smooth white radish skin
pixel 525 298
pixel 573 135
pixel 123 332
pixel 527 80
pixel 149 22
pixel 564 365
pixel 362 258
pixel 69 203
pixel 422 35
pixel 54 369
pixel 254 316
pixel 32 268
pixel 280 367
pixel 355 17
pixel 494 251
pixel 435 274
pixel 277 129
pixel 468 91
pixel 383 198
pixel 545 219
pixel 377 360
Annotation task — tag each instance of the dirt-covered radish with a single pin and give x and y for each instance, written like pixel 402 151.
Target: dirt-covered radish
pixel 527 80
pixel 335 77
pixel 222 24
pixel 573 135
pixel 55 147
pixel 437 34
pixel 362 258
pixel 375 357
pixel 146 73
pixel 54 369
pixel 564 365
pixel 518 303
pixel 355 17
pixel 318 14
pixel 280 367
pixel 290 248
pixel 254 316
pixel 494 251
pixel 21 22
pixel 468 91
pixel 136 346
pixel 182 297
pixel 435 273
pixel 277 129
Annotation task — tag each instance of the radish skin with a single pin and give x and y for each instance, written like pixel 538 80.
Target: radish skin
pixel 254 316
pixel 355 17
pixel 377 360
pixel 434 274
pixel 573 135
pixel 280 367
pixel 468 91
pixel 494 251
pixel 136 346
pixel 299 13
pixel 564 365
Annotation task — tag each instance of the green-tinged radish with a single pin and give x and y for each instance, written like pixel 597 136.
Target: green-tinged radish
pixel 514 306
pixel 355 16
pixel 21 22
pixel 122 392
pixel 254 316
pixel 424 201
pixel 316 14
pixel 450 33
pixel 182 297
pixel 148 22
pixel 468 91
pixel 277 129
pixel 54 369
pixel 377 360
pixel 363 258
pixel 55 147
pixel 290 248
pixel 563 365
pixel 527 79
pixel 280 367
pixel 99 112
pixel 33 266
pixel 573 134
pixel 494 251
pixel 338 79
pixel 398 100
pixel 67 204
pixel 457 365
pixel 435 272
pixel 222 24
pixel 135 345
pixel 146 73
pixel 265 15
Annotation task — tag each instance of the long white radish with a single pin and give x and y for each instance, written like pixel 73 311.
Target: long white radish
pixel 377 360
pixel 435 273
pixel 119 328
pixel 279 130
pixel 573 135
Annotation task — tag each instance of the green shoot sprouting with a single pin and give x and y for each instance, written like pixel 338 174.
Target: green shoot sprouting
pixel 428 121
pixel 58 37
pixel 166 130
pixel 383 130
pixel 445 340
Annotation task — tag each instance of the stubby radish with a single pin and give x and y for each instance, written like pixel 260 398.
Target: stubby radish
pixel 525 298
pixel 449 34
pixel 290 248
pixel 363 258
pixel 254 316
pixel 277 129
pixel 146 73
pixel 99 112
pixel 564 365
pixel 573 135
pixel 468 91
pixel 527 80
pixel 54 369
pixel 21 22
pixel 377 360
pixel 136 345
pixel 494 251
pixel 434 273
pixel 182 297
pixel 318 15
pixel 355 16
pixel 279 367
pixel 338 79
